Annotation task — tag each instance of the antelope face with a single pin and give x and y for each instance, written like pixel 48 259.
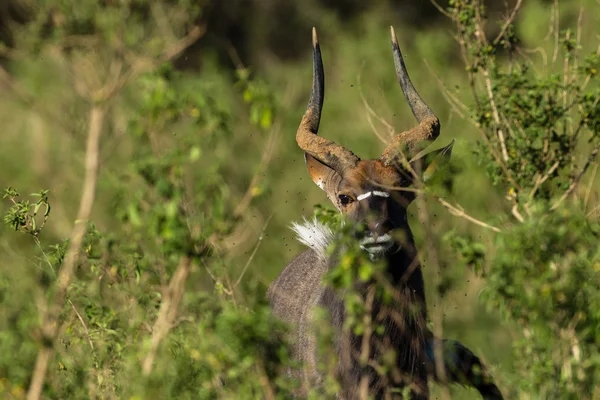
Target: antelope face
pixel 369 192
pixel 371 196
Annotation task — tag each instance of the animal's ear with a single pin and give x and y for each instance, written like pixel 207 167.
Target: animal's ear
pixel 433 162
pixel 324 176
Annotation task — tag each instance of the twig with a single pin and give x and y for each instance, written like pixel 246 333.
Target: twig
pixel 441 9
pixel 460 212
pixel 589 76
pixel 264 162
pixel 450 97
pixel 85 328
pixel 140 65
pixel 456 210
pixel 556 27
pixel 515 211
pixel 167 312
pixel 508 21
pixel 260 238
pixel 159 15
pixel 573 184
pixel 540 181
pixel 495 114
pixel 371 112
pixel 589 191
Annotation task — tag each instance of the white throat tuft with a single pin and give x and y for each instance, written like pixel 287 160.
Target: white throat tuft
pixel 315 235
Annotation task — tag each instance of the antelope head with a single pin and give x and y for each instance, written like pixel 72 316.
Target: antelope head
pixel 371 193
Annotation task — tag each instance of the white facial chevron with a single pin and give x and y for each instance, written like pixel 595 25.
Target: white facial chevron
pixel 373 193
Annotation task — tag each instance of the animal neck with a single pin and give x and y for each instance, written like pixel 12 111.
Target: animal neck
pixel 403 269
pixel 402 260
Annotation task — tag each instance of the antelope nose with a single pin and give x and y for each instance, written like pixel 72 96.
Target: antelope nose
pixel 379 227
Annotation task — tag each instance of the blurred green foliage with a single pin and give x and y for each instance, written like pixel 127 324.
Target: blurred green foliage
pixel 198 163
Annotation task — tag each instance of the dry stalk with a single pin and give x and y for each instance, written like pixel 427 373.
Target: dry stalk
pixel 168 311
pixel 458 211
pixel 495 113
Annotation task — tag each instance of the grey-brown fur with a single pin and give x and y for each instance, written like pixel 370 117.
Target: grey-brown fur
pixel 299 290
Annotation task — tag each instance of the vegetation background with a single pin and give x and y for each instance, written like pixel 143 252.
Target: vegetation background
pixel 192 109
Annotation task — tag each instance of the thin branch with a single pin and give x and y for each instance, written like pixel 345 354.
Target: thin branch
pixel 168 311
pixel 573 184
pixel 85 328
pixel 264 162
pixel 515 211
pixel 541 180
pixel 556 28
pixel 450 97
pixel 495 114
pixel 441 9
pixel 509 21
pixel 589 76
pixel 371 112
pixel 375 131
pixel 162 22
pixel 589 190
pixel 140 65
pixel 458 211
pixel 260 238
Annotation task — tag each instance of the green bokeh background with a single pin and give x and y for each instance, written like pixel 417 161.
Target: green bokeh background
pixel 273 40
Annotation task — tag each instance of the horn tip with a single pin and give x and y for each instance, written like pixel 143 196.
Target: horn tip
pixel 393 35
pixel 315 38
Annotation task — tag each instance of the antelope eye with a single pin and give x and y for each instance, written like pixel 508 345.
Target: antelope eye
pixel 345 199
